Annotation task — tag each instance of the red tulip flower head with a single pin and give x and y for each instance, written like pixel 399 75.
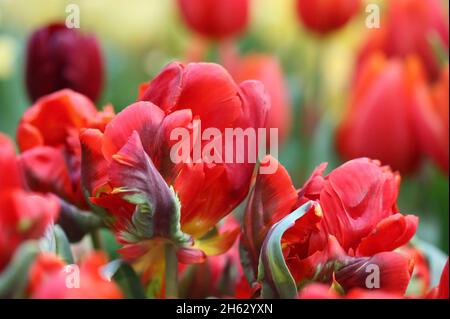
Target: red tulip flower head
pixel 324 17
pixel 379 121
pixel 48 139
pixel 215 19
pixel 331 229
pixel 128 169
pixel 62 58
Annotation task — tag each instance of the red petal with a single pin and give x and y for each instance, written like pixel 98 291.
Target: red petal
pixel 142 117
pixel 94 166
pixel 9 170
pixel 389 234
pixel 54 114
pixel 46 170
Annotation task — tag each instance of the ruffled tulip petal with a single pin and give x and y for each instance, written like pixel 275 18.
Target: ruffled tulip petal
pixel 389 234
pixel 391 272
pixel 142 117
pixel 46 170
pixel 53 114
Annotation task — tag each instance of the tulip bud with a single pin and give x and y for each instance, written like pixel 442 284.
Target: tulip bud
pixel 326 16
pixel 215 19
pixel 59 58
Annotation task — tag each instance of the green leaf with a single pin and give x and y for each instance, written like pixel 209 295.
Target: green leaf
pixel 14 278
pixel 55 241
pixel 126 278
pixel 273 273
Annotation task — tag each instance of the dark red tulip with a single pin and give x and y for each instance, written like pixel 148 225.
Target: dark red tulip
pixel 326 16
pixel 59 58
pixel 215 19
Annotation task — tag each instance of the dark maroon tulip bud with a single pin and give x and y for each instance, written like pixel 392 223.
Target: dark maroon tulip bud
pixel 59 58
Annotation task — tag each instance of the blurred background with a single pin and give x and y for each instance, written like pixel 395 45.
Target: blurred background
pixel 139 37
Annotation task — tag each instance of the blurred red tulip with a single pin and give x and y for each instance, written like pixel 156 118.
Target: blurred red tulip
pixel 135 156
pixel 359 225
pixel 268 70
pixel 442 291
pixel 322 291
pixel 409 27
pixel 432 121
pixel 215 19
pixel 59 58
pixel 324 17
pixel 48 139
pixel 23 215
pixel 48 280
pixel 379 121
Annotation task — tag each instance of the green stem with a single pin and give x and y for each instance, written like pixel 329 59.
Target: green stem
pixel 96 239
pixel 171 273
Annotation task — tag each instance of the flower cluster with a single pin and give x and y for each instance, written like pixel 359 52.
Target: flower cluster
pixel 94 206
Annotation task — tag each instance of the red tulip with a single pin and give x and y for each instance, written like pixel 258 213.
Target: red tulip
pixel 60 58
pixel 358 225
pixel 379 121
pixel 326 16
pixel 215 19
pixel 133 158
pixel 432 121
pixel 407 29
pixel 267 69
pixel 23 215
pixel 48 280
pixel 48 138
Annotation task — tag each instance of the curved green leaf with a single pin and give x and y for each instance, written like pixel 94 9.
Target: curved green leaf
pixel 273 273
pixel 56 241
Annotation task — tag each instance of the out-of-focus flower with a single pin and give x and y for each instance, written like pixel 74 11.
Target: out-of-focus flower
pixel 48 280
pixel 268 70
pixel 409 27
pixel 59 58
pixel 132 172
pixel 23 215
pixel 215 19
pixel 322 291
pixel 379 121
pixel 432 120
pixel 48 138
pixel 358 225
pixel 324 17
pixel 443 284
